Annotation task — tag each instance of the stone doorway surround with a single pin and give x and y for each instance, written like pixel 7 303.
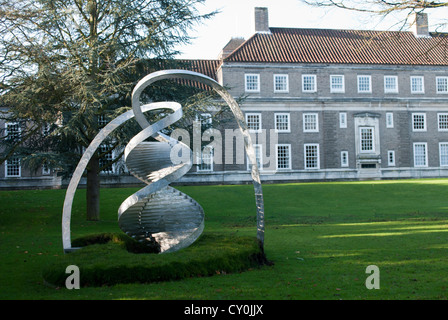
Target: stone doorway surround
pixel 367 140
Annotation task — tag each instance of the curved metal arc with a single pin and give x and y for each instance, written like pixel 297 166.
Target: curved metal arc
pixel 164 75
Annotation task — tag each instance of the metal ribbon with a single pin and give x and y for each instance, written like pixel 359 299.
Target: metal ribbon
pixel 159 212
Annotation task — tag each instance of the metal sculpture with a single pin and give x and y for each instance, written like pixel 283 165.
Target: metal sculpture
pixel 159 212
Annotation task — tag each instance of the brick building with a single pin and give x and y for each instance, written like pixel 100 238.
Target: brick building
pixel 331 104
pixel 346 104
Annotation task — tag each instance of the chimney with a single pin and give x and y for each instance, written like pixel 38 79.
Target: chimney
pixel 261 20
pixel 230 47
pixel 420 25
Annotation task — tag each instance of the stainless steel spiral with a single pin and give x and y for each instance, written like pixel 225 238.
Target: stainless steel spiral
pixel 159 212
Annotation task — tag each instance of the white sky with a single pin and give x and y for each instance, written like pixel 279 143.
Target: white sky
pixel 236 19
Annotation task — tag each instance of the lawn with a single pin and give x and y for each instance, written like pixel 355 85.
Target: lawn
pixel 321 237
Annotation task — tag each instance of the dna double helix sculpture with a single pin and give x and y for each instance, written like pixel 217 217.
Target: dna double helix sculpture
pixel 159 212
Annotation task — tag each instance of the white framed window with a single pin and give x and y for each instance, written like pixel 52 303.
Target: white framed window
pixel 391 158
pixel 389 120
pixel 443 154
pixel 337 84
pixel 253 121
pixel 344 158
pixel 442 121
pixel 206 163
pixel 12 130
pixel 417 84
pixel 283 156
pixel 282 122
pixel 13 168
pixel 366 139
pixel 310 122
pixel 281 83
pixel 258 156
pixel 107 158
pixel 420 154
pixel 252 82
pixel 342 119
pixel 309 83
pixel 419 122
pixel 102 120
pixel 311 153
pixel 390 84
pixel 442 84
pixel 46 129
pixel 364 84
pixel 46 170
pixel 205 119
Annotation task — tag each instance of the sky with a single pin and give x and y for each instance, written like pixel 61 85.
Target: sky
pixel 236 19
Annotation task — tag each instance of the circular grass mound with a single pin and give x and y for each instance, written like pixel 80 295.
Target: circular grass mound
pixel 109 258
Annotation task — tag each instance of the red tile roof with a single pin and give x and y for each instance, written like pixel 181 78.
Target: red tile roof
pixel 287 45
pixel 207 67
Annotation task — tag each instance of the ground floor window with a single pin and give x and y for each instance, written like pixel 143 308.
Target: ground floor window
pixel 13 168
pixel 283 156
pixel 46 170
pixel 311 156
pixel 206 163
pixel 420 154
pixel 366 134
pixel 258 156
pixel 391 158
pixel 106 158
pixel 443 152
pixel 344 158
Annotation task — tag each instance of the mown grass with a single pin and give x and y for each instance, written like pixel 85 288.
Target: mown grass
pixel 320 236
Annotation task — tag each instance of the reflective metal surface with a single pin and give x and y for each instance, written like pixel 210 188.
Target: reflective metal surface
pixel 159 212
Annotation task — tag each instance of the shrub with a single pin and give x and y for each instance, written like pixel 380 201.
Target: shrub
pixel 109 259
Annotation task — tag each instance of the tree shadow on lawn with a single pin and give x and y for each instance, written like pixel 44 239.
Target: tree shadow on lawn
pixel 410 255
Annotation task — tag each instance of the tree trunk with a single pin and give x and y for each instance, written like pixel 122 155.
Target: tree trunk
pixel 93 189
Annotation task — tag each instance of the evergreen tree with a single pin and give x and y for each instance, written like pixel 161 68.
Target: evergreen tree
pixel 69 66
